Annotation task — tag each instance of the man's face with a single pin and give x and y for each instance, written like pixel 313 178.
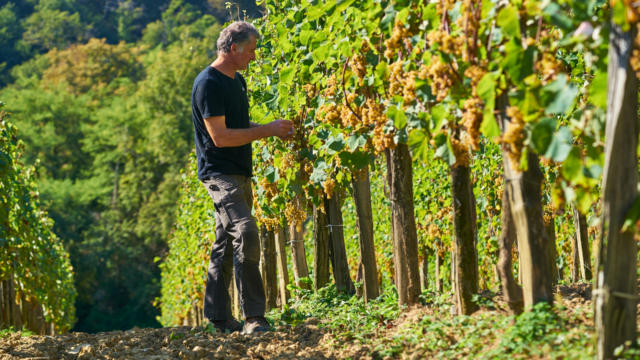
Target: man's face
pixel 244 53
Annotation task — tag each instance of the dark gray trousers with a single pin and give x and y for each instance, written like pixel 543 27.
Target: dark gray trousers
pixel 237 247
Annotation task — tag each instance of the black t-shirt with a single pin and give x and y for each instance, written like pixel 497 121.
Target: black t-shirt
pixel 216 94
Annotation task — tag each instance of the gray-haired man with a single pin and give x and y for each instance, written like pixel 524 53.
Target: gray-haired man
pixel 223 136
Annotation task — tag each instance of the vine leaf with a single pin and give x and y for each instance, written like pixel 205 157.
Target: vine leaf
pixel 564 93
pixel 509 22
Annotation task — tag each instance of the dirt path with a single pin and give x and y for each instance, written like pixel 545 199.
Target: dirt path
pixel 302 342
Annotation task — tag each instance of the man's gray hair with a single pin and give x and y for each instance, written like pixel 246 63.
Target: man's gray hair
pixel 236 33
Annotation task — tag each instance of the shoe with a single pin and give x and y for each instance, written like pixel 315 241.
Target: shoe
pixel 231 325
pixel 255 325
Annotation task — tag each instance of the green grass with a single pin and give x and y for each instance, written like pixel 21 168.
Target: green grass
pixel 431 331
pixel 10 331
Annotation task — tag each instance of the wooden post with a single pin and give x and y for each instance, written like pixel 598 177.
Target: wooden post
pixel 438 264
pixel 359 279
pixel 364 221
pixel 526 208
pixel 14 316
pixel 582 242
pixel 615 293
pixel 511 290
pixel 552 253
pixel 283 271
pixel 575 259
pixel 337 250
pixel 424 269
pixel 452 275
pixel 403 224
pixel 4 305
pixel 268 266
pixel 465 253
pixel 298 256
pixel 321 244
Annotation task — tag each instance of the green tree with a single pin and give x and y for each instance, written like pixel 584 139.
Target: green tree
pixel 47 29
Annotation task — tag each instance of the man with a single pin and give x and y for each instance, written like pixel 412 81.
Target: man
pixel 223 136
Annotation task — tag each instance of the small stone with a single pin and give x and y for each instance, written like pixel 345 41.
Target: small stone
pixel 76 350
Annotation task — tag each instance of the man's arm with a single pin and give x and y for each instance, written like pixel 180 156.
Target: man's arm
pixel 225 137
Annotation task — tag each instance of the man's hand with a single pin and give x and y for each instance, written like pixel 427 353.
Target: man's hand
pixel 282 129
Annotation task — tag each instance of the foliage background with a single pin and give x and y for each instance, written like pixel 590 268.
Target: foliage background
pixel 101 93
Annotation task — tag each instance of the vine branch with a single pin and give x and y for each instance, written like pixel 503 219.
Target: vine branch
pixel 344 91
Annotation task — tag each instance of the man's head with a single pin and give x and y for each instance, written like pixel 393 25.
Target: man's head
pixel 238 42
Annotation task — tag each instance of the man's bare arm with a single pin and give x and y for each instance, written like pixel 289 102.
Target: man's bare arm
pixel 225 137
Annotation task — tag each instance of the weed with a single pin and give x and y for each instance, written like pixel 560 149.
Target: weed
pixel 11 330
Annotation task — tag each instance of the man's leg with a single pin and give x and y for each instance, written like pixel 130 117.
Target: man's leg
pixel 217 304
pixel 232 198
pixel 246 247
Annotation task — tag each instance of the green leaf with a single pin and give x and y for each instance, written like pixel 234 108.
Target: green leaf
pixel 620 15
pixel 438 115
pixel 305 35
pixel 542 133
pixel 489 126
pixel 354 160
pixel 558 16
pixel 287 74
pixel 560 145
pixel 315 12
pixel 563 95
pixel 389 16
pixel 572 165
pixel 342 5
pixel 398 116
pixel 419 144
pixel 335 144
pixel 382 70
pixel 271 174
pixel 319 174
pixel 598 90
pixel 445 152
pixel 356 141
pixel 509 21
pixel 518 62
pixel 487 89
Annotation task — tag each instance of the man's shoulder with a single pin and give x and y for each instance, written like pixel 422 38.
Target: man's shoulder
pixel 208 80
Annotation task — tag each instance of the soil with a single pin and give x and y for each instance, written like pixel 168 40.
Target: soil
pixel 304 341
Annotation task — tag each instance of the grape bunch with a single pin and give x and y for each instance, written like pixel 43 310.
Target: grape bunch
pixel 295 213
pixel 394 44
pixel 472 119
pixel 513 137
pixel 440 76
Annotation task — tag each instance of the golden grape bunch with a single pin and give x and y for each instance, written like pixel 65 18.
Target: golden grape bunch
pixel 328 113
pixel 358 66
pixel 440 76
pixel 270 189
pixel 549 67
pixel 382 140
pixel 349 119
pixel 329 185
pixel 373 113
pixel 394 44
pixel 514 136
pixel 472 119
pixel 332 86
pixel 294 213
